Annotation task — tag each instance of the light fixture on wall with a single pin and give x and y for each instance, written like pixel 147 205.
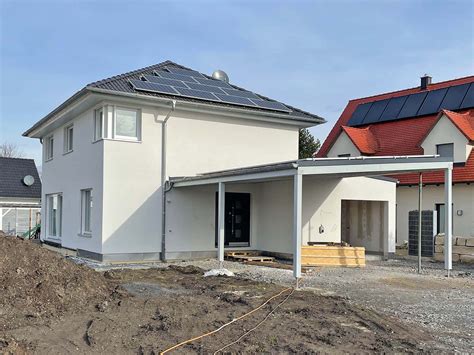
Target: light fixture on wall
pixel 321 229
pixel 459 213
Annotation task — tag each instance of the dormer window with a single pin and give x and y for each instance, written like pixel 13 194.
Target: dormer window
pixel 445 150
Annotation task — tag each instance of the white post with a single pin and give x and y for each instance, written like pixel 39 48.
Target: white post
pixel 448 224
pixel 297 207
pixel 221 224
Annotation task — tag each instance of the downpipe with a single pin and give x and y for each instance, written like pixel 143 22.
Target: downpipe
pixel 164 187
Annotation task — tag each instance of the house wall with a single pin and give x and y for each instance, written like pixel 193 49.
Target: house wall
pixel 343 145
pixel 446 132
pixel 68 174
pixel 463 199
pixel 272 213
pixel 196 143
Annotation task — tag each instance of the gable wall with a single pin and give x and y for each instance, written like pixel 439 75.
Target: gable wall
pixel 343 145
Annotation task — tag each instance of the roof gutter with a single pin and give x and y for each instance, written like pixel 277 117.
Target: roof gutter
pixel 204 108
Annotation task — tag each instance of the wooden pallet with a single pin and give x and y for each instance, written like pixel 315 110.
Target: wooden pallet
pixel 259 258
pixel 232 254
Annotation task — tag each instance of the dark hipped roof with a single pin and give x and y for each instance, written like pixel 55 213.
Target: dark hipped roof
pixel 121 84
pixel 12 172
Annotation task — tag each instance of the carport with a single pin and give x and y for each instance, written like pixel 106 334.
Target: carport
pixel 325 167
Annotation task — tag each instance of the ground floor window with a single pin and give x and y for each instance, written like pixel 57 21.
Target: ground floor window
pixel 441 218
pixel 54 204
pixel 86 209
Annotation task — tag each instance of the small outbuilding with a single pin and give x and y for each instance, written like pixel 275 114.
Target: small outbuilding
pixel 20 195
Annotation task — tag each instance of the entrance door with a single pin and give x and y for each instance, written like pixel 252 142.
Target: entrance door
pixel 237 219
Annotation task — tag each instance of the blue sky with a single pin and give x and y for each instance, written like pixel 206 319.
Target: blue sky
pixel 315 55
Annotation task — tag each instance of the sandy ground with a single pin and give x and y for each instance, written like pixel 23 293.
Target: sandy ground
pixel 70 308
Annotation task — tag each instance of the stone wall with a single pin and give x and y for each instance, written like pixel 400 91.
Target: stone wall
pixel 463 249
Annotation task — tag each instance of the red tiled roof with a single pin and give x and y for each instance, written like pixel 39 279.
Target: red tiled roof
pixel 403 137
pixel 363 139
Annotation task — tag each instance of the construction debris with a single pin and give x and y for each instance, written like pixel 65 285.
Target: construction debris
pixel 218 272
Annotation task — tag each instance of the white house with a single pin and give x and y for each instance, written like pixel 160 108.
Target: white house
pixel 434 118
pixel 133 167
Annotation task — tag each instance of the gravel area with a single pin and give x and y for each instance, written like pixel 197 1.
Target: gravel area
pixel 443 306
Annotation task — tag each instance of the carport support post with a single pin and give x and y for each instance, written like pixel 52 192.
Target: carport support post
pixel 420 196
pixel 221 224
pixel 297 207
pixel 448 224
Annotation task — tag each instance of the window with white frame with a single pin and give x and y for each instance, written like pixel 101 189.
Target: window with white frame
pixel 54 204
pixel 445 150
pixel 49 148
pixel 68 139
pixel 126 124
pixel 99 124
pixel 86 211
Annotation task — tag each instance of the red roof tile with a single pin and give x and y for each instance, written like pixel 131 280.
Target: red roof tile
pixel 403 137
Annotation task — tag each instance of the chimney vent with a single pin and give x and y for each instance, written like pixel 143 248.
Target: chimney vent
pixel 425 81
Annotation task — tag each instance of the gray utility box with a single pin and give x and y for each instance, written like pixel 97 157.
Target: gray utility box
pixel 428 232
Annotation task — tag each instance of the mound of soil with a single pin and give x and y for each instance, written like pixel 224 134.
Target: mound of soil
pixel 36 283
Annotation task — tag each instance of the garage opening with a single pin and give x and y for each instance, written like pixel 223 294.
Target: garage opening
pixel 365 224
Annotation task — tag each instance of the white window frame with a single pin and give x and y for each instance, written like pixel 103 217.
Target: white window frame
pixel 138 121
pixel 99 114
pixel 68 142
pixel 49 148
pixel 51 200
pixel 86 215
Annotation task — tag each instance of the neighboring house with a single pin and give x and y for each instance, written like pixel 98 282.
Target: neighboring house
pixel 20 195
pixel 431 119
pixel 127 161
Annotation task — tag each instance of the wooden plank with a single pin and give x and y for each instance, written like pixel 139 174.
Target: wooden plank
pixel 332 261
pixel 326 247
pixel 254 258
pixel 334 252
pixel 240 252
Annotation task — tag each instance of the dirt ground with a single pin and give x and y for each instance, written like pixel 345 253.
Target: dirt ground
pixel 52 305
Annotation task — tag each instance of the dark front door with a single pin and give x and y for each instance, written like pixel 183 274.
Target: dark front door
pixel 237 219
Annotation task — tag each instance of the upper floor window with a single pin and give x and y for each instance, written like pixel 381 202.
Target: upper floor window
pixel 99 124
pixel 49 148
pixel 126 124
pixel 68 138
pixel 445 150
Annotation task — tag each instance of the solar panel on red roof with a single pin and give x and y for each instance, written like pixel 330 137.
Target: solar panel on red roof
pixel 432 102
pixel 375 111
pixel 412 105
pixel 469 98
pixel 454 97
pixel 359 114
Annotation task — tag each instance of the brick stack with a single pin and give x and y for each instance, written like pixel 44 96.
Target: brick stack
pixel 463 249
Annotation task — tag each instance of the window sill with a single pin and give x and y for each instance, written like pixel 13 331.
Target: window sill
pixel 47 160
pixel 121 140
pixel 68 152
pixel 85 235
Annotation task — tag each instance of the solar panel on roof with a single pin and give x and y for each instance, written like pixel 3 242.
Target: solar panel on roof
pixel 165 81
pixel 235 100
pixel 432 102
pixel 197 94
pixel 184 72
pixel 375 111
pixel 271 105
pixel 393 108
pixel 454 97
pixel 468 101
pixel 412 105
pixel 359 114
pixel 207 88
pixel 165 74
pixel 152 87
pixel 241 93
pixel 218 83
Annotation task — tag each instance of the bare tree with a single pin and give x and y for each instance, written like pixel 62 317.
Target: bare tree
pixel 10 150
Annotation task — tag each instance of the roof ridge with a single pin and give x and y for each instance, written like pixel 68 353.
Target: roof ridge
pixel 412 88
pixel 16 158
pixel 136 71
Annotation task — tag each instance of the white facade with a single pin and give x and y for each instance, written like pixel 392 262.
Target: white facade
pixel 343 146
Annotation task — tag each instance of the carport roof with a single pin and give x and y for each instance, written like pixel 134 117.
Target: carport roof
pixel 342 167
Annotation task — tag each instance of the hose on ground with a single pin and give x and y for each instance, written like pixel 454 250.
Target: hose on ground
pixel 229 323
